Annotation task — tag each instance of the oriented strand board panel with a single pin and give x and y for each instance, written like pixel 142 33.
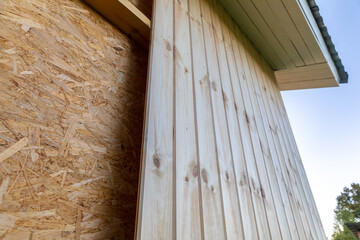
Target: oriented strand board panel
pixel 71 115
pixel 219 160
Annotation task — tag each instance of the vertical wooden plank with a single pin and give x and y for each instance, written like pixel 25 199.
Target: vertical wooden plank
pixel 248 130
pixel 215 55
pixel 259 143
pixel 188 212
pixel 155 220
pixel 237 172
pixel 231 88
pixel 281 199
pixel 310 206
pixel 305 183
pixel 285 186
pixel 313 207
pixel 291 172
pixel 266 143
pixel 212 208
pixel 284 141
pixel 302 197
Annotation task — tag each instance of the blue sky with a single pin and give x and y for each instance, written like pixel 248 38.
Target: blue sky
pixel 326 122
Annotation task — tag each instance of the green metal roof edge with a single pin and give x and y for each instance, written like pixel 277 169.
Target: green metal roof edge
pixel 329 44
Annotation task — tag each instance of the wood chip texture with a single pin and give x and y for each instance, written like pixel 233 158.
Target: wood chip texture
pixel 71 111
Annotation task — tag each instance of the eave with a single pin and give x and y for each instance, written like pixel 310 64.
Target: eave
pixel 291 35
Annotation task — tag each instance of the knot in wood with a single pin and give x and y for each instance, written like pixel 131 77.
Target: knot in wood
pixel 204 176
pixel 156 160
pixel 195 171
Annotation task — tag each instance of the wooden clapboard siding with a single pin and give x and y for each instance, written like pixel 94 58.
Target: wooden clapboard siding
pixel 219 158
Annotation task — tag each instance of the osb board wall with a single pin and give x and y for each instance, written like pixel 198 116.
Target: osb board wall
pixel 145 6
pixel 71 108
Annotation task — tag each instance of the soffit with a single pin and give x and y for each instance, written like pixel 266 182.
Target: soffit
pixel 287 34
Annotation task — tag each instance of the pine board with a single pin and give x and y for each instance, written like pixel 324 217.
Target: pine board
pixel 235 169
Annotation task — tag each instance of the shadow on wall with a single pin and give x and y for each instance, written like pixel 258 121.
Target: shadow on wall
pixel 72 99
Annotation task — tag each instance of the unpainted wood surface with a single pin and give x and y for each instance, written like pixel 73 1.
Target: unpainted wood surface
pixel 145 6
pixel 312 76
pixel 127 17
pixel 219 158
pixel 286 34
pixel 71 113
pixel 286 27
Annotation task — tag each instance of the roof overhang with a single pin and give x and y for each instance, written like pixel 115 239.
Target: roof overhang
pixel 291 35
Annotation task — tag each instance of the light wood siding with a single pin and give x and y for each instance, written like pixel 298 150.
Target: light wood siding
pixel 219 159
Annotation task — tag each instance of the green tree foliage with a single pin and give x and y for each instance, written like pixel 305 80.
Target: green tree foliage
pixel 347 211
pixel 344 234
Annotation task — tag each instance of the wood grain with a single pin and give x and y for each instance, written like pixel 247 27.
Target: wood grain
pixel 188 193
pixel 127 17
pixel 235 171
pixel 219 160
pixel 156 209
